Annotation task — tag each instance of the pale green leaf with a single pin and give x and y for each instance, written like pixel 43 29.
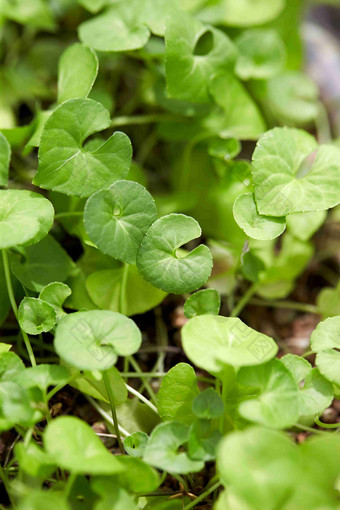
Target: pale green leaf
pixel 55 294
pixel 135 444
pixel 203 302
pixel 208 405
pixel 241 13
pixel 328 301
pixel 36 316
pixel 325 341
pixel 303 225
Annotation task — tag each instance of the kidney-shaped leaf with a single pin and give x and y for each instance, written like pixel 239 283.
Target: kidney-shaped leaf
pixel 275 402
pixel 36 316
pixel 162 449
pixel 93 340
pixel 205 301
pixel 116 219
pixel 25 217
pixel 212 341
pixel 55 294
pixel 74 446
pixel 160 263
pixel 254 224
pixel 208 405
pixel 77 71
pixel 287 178
pixel 325 341
pixel 5 156
pixel 64 163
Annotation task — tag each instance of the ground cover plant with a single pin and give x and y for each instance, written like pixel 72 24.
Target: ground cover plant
pixel 169 294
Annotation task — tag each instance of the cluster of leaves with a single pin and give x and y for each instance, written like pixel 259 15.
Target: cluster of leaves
pixel 85 246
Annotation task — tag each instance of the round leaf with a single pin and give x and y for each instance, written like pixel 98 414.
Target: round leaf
pixel 275 403
pixel 208 405
pixel 212 341
pixel 55 294
pixel 77 71
pixel 303 225
pixel 25 217
pixel 159 262
pixel 117 219
pixel 36 316
pixel 93 340
pixel 205 301
pixel 325 341
pixel 10 366
pixel 64 163
pixel 161 450
pixel 73 445
pixel 43 376
pixel 5 156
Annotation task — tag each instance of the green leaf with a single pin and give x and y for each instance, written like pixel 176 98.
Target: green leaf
pixel 293 98
pixel 135 444
pixel 287 178
pixel 16 407
pixel 44 500
pixel 42 263
pixel 162 449
pixel 104 288
pixel 10 366
pixel 109 493
pixel 73 445
pixel 91 383
pixel 25 217
pixel 254 224
pixel 77 71
pixel 160 263
pixel 260 466
pixel 208 405
pixel 203 302
pixel 328 301
pixel 241 13
pixel 316 393
pixel 275 402
pixel 36 316
pixel 261 54
pixel 203 441
pixel 93 340
pixel 117 219
pixel 224 149
pixel 238 115
pixel 43 376
pixel 35 13
pixel 138 476
pixel 193 53
pixel 55 294
pixel 177 393
pixel 5 156
pixel 117 29
pixel 64 163
pixel 212 341
pixel 33 460
pixel 303 225
pixel 325 341
pixel 94 5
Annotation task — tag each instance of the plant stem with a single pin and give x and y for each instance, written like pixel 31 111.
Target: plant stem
pixel 67 214
pixel 309 429
pixel 5 481
pixel 106 416
pixel 244 300
pixel 306 354
pixel 141 398
pixel 122 295
pixel 326 425
pixel 113 410
pixel 127 120
pixel 60 386
pixel 139 371
pixel 14 306
pixel 301 307
pixel 202 496
pixel 71 479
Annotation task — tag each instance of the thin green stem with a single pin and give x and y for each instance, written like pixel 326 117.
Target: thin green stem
pixel 147 385
pixel 141 398
pixel 68 214
pixel 181 480
pixel 244 300
pixel 203 496
pixel 122 295
pixel 5 481
pixel 14 306
pixel 326 425
pixel 113 409
pixel 105 415
pixel 306 354
pixel 127 120
pixel 309 429
pixel 60 386
pixel 300 307
pixel 71 479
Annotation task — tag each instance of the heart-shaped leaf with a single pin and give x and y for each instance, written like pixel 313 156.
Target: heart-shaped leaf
pixel 193 53
pixel 177 393
pixel 261 54
pixel 160 263
pixel 93 340
pixel 74 446
pixel 116 219
pixel 138 476
pixel 64 163
pixel 55 294
pixel 287 180
pixel 208 405
pixel 254 224
pixel 36 316
pixel 325 341
pixel 275 402
pixel 162 449
pixel 205 301
pixel 77 71
pixel 212 341
pixel 5 156
pixel 25 217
